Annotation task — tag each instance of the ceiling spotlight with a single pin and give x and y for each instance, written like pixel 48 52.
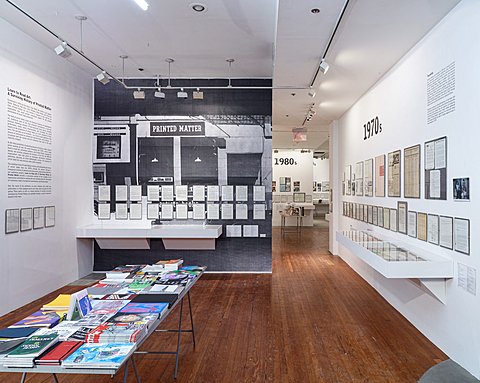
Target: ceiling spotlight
pixel 198 159
pixel 142 4
pixel 139 94
pixel 197 7
pixel 155 159
pixel 324 67
pixel 312 93
pixel 315 10
pixel 182 94
pixel 197 95
pixel 159 93
pixel 103 78
pixel 62 50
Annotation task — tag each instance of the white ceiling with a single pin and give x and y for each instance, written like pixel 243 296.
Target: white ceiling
pixel 266 38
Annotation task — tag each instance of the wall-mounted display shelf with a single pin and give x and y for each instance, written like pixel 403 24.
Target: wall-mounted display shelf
pixel 393 259
pixel 174 237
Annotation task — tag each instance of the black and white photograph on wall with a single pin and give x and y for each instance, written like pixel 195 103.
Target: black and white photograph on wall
pixel 183 147
pixel 461 189
pixel 296 186
pixel 285 184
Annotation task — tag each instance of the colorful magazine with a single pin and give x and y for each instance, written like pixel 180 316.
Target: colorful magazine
pixel 137 308
pixel 38 319
pixel 99 355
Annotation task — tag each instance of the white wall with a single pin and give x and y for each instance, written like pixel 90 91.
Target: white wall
pixel 33 263
pixel 399 100
pixel 301 171
pixel 321 170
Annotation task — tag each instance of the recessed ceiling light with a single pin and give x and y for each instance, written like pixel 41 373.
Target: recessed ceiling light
pixel 198 7
pixel 315 10
pixel 142 4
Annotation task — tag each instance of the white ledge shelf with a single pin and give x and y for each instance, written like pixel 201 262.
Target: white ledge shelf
pixel 174 237
pixel 393 259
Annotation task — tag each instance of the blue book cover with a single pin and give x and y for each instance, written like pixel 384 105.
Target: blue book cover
pixel 137 308
pixel 91 355
pixel 38 319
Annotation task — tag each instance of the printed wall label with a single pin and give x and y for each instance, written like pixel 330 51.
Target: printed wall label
pixel 183 128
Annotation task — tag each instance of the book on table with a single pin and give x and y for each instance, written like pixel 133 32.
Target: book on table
pixel 145 307
pixel 38 319
pixel 80 305
pixel 123 272
pixel 16 332
pixel 99 355
pixel 24 354
pixel 170 299
pixel 58 353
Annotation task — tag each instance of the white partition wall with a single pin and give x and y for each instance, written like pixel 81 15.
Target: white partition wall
pixel 46 124
pixel 431 93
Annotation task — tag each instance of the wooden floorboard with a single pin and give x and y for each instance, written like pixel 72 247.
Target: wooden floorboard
pixel 312 320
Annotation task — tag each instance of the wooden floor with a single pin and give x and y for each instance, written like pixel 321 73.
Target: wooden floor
pixel 312 320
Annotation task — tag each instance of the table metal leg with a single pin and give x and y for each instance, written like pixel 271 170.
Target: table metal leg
pixel 55 379
pixel 24 375
pixel 125 372
pixel 177 353
pixel 191 318
pixel 135 370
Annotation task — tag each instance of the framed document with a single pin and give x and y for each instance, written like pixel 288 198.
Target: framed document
pixel 436 169
pixel 446 232
pixel 103 211
pixel 135 193
pixel 386 218
pixel 422 226
pixel 241 193
pixel 50 216
pixel 26 219
pixel 38 217
pixel 12 221
pixel 167 211
pixel 104 193
pixel 121 193
pixel 368 178
pixel 227 193
pixel 402 208
pixel 227 211
pixel 359 178
pixel 199 211
pixel 461 189
pixel 380 216
pixel 153 193
pixel 393 220
pixel 375 215
pixel 153 211
pixel 167 193
pixel 213 211
pixel 213 193
pixel 121 211
pixel 365 213
pixel 241 211
pixel 432 229
pixel 348 179
pixel 360 212
pixel 461 235
pixel 380 176
pixel 181 193
pixel 298 197
pixel 259 211
pixel 181 211
pixel 259 193
pixel 198 193
pixel 412 224
pixel 394 172
pixel 370 214
pixel 411 172
pixel 135 211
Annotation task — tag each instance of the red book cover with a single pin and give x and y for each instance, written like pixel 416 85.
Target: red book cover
pixel 59 352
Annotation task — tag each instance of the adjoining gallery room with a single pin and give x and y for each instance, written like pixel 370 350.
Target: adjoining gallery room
pixel 239 191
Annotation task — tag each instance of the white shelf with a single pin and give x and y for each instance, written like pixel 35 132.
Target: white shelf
pixel 429 272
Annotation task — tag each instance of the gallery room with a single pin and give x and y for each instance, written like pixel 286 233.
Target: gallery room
pixel 239 191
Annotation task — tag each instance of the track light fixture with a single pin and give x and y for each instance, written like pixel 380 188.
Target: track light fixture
pixel 103 78
pixel 62 50
pixel 182 94
pixel 197 95
pixel 312 93
pixel 142 4
pixel 324 67
pixel 139 94
pixel 159 93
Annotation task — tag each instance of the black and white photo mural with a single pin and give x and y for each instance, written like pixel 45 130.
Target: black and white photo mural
pixel 186 163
